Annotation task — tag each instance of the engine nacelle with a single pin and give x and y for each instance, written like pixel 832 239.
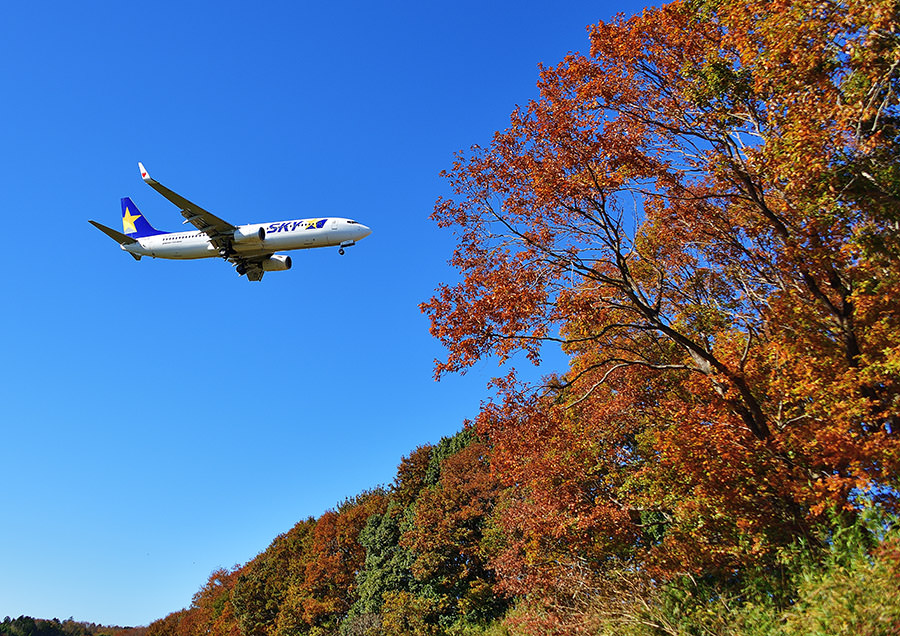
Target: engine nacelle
pixel 247 235
pixel 276 263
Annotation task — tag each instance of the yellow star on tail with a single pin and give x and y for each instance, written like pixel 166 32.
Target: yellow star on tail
pixel 128 222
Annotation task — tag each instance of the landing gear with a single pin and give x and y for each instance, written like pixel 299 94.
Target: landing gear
pixel 341 251
pixel 345 244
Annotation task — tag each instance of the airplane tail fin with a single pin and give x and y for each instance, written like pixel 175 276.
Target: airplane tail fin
pixel 134 224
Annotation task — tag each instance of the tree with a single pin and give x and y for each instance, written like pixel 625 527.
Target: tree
pixel 388 565
pixel 702 212
pixel 447 533
pixel 263 583
pixel 325 588
pixel 212 611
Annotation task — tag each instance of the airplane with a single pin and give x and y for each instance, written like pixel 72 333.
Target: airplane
pixel 249 248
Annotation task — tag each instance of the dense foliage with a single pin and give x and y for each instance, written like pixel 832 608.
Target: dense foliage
pixel 408 559
pixel 704 212
pixel 428 556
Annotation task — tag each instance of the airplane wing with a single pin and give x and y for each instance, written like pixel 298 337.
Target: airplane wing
pixel 220 232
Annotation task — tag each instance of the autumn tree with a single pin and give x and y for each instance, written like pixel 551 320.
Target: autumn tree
pixel 448 530
pixel 702 212
pixel 264 582
pixel 426 556
pixel 212 611
pixel 321 595
pixel 168 625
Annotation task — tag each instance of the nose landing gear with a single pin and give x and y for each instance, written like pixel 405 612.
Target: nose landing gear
pixel 345 244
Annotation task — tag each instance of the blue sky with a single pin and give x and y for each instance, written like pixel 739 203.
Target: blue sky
pixel 162 419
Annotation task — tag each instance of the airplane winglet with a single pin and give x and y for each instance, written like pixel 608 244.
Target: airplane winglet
pixel 144 174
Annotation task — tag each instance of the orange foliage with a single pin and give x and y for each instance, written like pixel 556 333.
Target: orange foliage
pixel 448 532
pixel 705 210
pixel 334 558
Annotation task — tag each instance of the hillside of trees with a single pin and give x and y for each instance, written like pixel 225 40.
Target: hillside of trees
pixel 28 626
pixel 703 211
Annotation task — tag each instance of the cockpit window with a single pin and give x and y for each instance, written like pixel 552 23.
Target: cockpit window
pixel 349 221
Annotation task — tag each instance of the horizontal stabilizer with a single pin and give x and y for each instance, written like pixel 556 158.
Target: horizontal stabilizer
pixel 118 237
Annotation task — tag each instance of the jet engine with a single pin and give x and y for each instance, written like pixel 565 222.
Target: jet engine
pixel 246 235
pixel 276 263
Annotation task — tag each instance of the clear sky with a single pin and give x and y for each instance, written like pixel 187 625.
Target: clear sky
pixel 161 419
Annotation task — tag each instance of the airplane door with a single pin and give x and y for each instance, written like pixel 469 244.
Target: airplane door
pixel 334 224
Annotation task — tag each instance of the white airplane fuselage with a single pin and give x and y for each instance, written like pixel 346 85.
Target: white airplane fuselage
pixel 258 238
pixel 251 249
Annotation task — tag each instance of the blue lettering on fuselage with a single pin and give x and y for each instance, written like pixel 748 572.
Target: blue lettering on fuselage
pixel 292 226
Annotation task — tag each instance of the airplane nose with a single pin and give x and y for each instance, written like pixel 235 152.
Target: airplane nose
pixel 364 231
